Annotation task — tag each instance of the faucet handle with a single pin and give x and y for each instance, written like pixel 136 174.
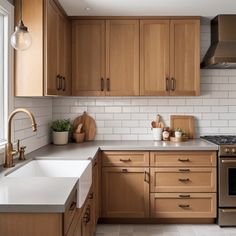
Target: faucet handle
pixel 22 153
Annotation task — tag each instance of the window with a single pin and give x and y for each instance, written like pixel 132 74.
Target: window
pixel 6 19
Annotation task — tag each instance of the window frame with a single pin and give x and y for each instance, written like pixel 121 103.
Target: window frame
pixel 7 10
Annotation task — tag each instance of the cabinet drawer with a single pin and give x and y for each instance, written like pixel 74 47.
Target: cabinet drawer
pixel 125 159
pixel 201 159
pixel 69 213
pixel 179 205
pixel 183 179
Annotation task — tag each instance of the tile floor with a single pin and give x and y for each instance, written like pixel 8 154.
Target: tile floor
pixel 164 230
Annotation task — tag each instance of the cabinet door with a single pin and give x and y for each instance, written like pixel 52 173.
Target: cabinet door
pixel 64 54
pixel 185 60
pixel 51 49
pixel 125 192
pixel 88 53
pixel 122 57
pixel 154 57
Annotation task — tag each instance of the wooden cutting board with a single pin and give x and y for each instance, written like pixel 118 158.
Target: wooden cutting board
pixel 89 126
pixel 186 123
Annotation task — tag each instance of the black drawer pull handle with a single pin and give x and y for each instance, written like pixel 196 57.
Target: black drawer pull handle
pixel 72 206
pixel 184 170
pixel 184 195
pixel 184 160
pixel 125 160
pixel 184 205
pixel 124 170
pixel 184 180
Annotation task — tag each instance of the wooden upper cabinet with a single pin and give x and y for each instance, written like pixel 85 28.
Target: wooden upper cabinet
pixel 88 53
pixel 154 57
pixel 185 57
pixel 122 57
pixel 51 79
pixel 44 68
pixel 169 57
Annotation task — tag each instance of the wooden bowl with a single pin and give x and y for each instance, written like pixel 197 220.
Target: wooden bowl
pixel 79 137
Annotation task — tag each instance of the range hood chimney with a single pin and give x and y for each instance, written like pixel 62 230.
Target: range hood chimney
pixel 222 52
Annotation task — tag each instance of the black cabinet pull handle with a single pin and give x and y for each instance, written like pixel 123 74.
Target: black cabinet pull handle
pixel 184 180
pixel 184 160
pixel 184 195
pixel 102 84
pixel 58 83
pixel 108 84
pixel 184 170
pixel 63 83
pixel 184 205
pixel 146 176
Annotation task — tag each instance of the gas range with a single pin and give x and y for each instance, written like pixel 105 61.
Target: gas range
pixel 226 178
pixel 227 144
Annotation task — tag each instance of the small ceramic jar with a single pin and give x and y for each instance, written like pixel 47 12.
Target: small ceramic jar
pixel 166 134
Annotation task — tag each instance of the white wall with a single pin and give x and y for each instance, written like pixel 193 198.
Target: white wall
pixel 130 118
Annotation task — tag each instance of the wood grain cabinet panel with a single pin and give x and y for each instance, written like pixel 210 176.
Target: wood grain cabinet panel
pixel 125 192
pixel 179 205
pixel 88 53
pixel 185 57
pixel 125 159
pixel 169 57
pixel 122 57
pixel 183 180
pixel 154 57
pixel 183 159
pixel 45 68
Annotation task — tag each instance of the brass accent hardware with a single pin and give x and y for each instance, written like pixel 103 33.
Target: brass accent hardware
pixel 108 84
pixel 184 170
pixel 184 195
pixel 173 84
pixel 86 217
pixel 102 84
pixel 22 153
pixel 9 151
pixel 125 160
pixel 72 206
pixel 184 180
pixel 167 84
pixel 184 205
pixel 184 160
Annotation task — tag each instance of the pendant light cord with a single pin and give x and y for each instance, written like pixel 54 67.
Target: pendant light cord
pixel 21 10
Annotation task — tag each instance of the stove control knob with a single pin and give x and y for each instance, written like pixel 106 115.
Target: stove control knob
pixel 233 150
pixel 226 150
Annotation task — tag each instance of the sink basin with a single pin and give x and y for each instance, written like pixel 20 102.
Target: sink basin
pixel 82 170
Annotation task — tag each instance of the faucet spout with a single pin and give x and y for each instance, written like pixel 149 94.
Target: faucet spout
pixel 9 152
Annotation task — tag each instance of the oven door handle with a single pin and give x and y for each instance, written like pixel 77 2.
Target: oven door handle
pixel 228 210
pixel 228 161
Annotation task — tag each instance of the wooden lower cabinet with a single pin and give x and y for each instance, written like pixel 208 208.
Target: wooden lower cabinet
pixel 183 205
pixel 183 180
pixel 125 192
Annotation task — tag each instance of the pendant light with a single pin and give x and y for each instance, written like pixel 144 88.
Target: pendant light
pixel 21 39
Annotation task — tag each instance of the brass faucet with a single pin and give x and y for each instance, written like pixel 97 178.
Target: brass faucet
pixel 9 151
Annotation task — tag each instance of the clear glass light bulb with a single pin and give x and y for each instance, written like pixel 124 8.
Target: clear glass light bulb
pixel 21 39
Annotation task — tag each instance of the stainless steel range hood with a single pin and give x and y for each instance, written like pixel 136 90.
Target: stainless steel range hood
pixel 222 52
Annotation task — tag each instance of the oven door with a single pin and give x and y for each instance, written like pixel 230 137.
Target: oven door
pixel 227 182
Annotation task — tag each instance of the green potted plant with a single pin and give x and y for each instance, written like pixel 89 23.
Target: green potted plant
pixel 178 132
pixel 60 132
